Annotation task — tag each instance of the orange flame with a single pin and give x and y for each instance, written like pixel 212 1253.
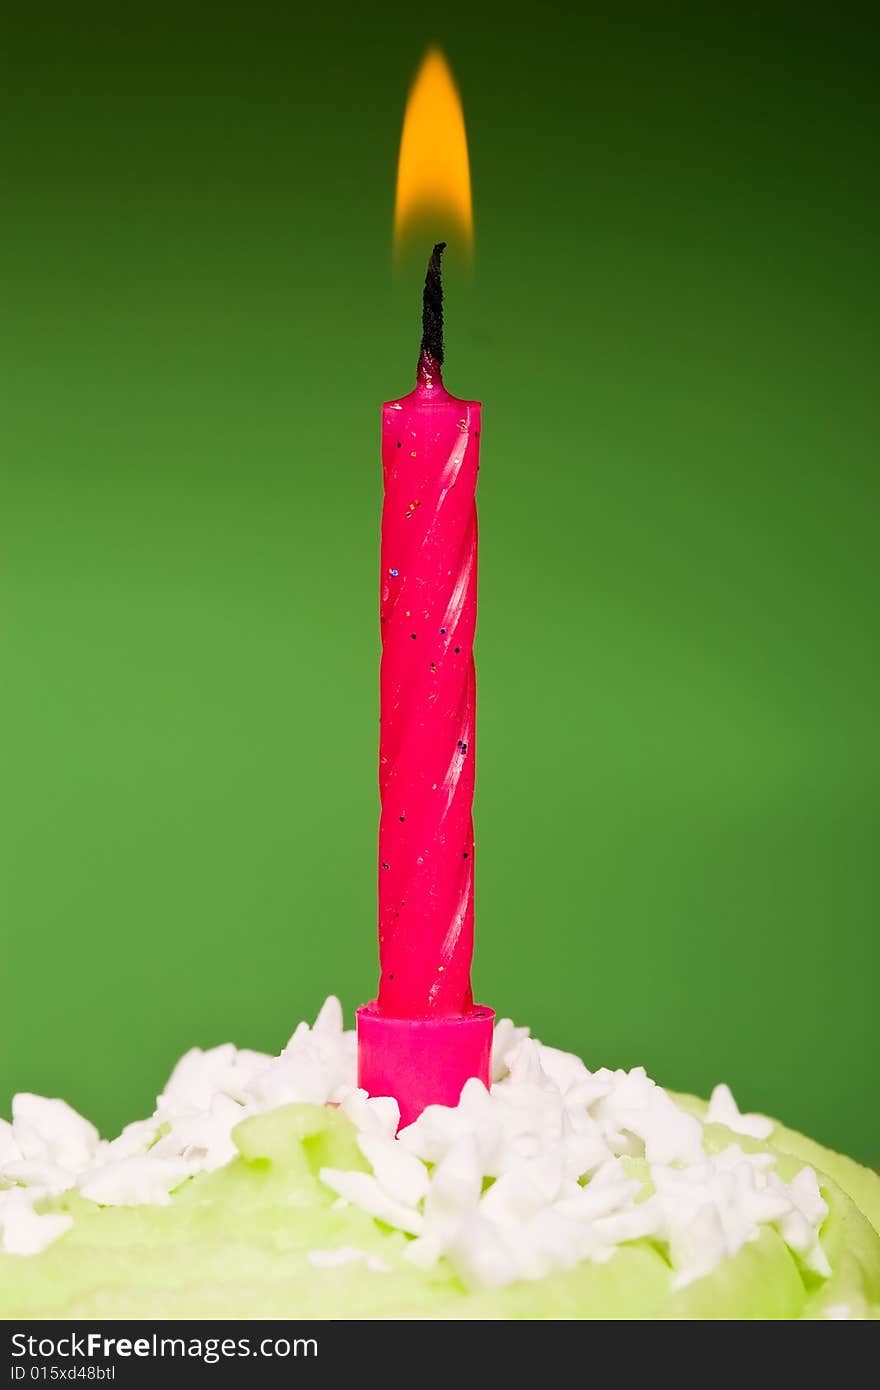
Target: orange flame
pixel 433 170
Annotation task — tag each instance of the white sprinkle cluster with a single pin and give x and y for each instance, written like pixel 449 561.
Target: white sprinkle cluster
pixel 554 1165
pixel 50 1149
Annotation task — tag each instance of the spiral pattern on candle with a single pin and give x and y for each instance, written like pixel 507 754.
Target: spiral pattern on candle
pixel 428 704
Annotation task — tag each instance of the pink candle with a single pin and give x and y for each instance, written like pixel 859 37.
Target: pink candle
pixel 430 456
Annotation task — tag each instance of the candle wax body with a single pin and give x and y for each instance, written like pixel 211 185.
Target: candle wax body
pixel 430 454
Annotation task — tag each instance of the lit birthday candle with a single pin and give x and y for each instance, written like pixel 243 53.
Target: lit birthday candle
pixel 430 456
pixel 423 1037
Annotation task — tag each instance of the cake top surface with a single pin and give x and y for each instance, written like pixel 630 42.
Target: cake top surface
pixel 554 1165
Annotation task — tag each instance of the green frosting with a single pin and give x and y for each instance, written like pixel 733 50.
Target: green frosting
pixel 235 1243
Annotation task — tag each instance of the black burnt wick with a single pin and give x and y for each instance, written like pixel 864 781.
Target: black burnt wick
pixel 431 355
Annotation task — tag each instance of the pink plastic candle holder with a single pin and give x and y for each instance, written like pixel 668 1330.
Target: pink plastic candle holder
pixel 422 1061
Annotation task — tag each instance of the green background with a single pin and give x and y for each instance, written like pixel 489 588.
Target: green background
pixel 672 324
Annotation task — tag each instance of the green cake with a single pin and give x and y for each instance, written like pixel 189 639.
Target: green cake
pixel 271 1187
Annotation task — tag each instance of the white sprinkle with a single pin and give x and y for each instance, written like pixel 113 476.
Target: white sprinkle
pixel 723 1110
pixel 364 1191
pixel 329 1019
pixel 346 1255
pixel 22 1230
pixel 800 1227
pixel 141 1180
pixel 52 1130
pixel 400 1174
pixel 370 1115
pixel 9 1150
pixel 837 1312
pixel 505 1040
pixel 37 1172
